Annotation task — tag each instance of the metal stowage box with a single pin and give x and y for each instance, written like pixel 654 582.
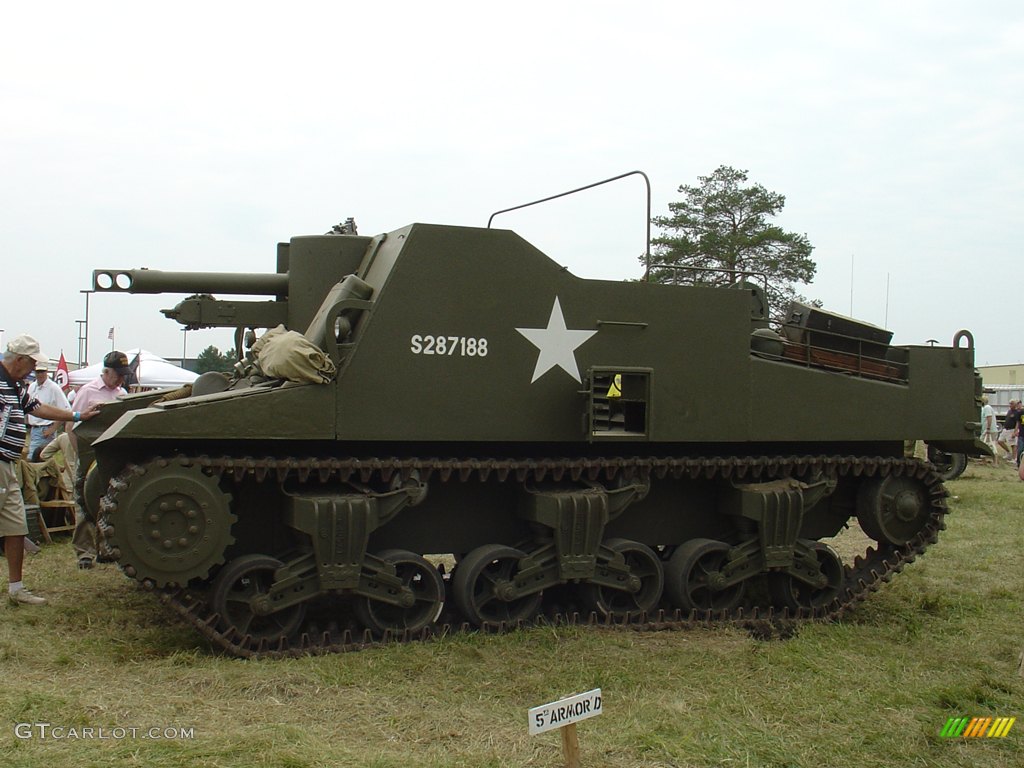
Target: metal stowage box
pixel 827 330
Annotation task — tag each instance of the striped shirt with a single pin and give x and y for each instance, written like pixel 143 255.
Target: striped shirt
pixel 14 404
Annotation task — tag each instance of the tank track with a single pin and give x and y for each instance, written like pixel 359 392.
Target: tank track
pixel 865 575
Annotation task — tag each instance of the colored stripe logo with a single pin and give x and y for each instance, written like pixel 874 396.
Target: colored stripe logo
pixel 977 727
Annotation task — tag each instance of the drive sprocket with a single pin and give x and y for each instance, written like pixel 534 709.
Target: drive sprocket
pixel 169 523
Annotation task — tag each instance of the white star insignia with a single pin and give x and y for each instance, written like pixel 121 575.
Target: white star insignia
pixel 557 345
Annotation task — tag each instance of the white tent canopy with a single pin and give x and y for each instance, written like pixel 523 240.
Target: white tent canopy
pixel 153 371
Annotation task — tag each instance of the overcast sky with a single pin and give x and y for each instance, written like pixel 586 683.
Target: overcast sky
pixel 196 135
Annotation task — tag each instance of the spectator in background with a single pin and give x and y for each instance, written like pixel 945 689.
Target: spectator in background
pixel 108 386
pixel 47 391
pixel 1008 437
pixel 62 451
pixel 989 427
pixel 1012 424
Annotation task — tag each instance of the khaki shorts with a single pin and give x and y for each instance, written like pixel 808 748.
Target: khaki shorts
pixel 12 507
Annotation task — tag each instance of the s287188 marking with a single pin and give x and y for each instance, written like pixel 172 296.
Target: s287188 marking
pixel 451 346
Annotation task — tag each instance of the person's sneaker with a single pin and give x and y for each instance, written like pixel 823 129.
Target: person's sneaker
pixel 85 563
pixel 24 597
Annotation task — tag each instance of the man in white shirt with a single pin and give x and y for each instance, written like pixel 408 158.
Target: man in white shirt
pixel 46 391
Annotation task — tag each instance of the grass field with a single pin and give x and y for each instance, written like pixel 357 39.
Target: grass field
pixel 943 640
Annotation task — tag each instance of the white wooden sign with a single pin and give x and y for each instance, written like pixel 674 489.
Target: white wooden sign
pixel 565 711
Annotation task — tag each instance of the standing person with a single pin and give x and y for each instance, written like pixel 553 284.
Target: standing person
pixel 1014 421
pixel 108 386
pixel 989 428
pixel 1008 437
pixel 21 356
pixel 46 391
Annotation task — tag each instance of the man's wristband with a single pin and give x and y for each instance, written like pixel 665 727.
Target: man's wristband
pixel 76 416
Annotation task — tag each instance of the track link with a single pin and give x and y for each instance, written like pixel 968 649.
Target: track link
pixel 865 575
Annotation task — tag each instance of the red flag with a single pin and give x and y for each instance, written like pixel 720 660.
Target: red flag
pixel 62 375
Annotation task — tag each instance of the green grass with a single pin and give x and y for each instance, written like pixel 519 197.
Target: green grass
pixel 943 640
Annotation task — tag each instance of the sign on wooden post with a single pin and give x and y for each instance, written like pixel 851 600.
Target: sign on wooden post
pixel 564 714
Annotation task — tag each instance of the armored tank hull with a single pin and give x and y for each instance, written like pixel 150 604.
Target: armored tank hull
pixel 490 439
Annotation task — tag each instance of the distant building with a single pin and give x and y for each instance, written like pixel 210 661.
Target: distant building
pixel 1002 383
pixel 1002 374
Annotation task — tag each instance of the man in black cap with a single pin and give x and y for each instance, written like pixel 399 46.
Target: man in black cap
pixel 22 355
pixel 108 386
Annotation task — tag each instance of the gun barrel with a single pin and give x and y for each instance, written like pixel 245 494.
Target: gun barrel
pixel 157 281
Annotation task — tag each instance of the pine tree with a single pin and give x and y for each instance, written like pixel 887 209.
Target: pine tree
pixel 722 232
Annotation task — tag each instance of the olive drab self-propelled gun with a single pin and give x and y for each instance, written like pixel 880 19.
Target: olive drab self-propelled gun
pixel 632 451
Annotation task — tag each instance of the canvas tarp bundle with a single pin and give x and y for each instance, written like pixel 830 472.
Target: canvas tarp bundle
pixel 284 354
